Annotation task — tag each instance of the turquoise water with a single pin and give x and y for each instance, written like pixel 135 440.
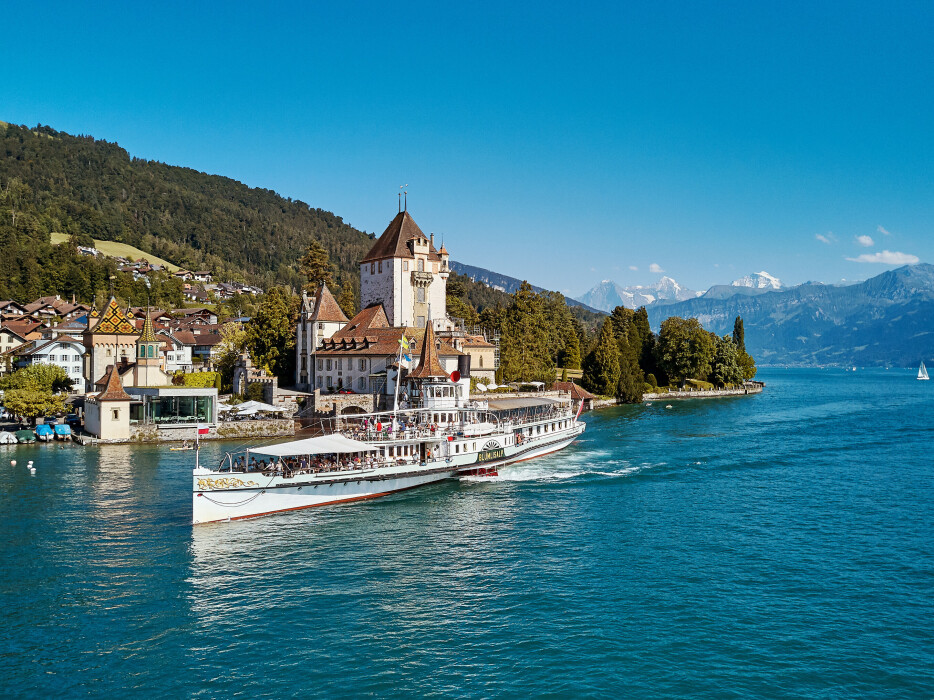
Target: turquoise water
pixel 772 546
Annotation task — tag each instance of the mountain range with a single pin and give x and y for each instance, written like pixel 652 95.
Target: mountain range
pixel 505 283
pixel 886 320
pixel 607 295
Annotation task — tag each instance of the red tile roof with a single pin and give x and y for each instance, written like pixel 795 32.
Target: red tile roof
pixel 428 365
pixel 326 307
pixel 577 393
pixel 394 243
pixel 113 388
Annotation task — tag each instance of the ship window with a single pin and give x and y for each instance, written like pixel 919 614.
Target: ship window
pixel 474 447
pixel 457 449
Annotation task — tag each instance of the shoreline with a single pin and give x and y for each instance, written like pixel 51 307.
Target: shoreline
pixel 751 388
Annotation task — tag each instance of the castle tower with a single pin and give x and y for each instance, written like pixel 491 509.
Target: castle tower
pixel 406 274
pixel 109 340
pixel 149 357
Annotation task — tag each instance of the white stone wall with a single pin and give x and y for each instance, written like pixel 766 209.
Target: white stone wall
pixel 377 287
pixel 101 420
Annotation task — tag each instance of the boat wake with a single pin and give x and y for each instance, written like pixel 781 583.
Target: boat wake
pixel 583 467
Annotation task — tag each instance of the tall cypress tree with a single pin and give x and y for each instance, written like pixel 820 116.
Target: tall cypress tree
pixel 739 334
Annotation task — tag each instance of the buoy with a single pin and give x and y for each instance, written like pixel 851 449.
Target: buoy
pixel 668 406
pixel 12 462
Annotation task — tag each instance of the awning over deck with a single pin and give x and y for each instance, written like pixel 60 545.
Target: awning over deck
pixel 511 404
pixel 323 445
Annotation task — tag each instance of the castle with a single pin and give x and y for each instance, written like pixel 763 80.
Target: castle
pixel 403 285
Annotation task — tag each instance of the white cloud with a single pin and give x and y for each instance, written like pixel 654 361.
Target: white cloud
pixel 827 238
pixel 865 241
pixel 882 230
pixel 656 268
pixel 633 268
pixel 887 257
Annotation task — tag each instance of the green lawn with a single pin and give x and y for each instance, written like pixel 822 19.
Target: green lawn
pixel 120 250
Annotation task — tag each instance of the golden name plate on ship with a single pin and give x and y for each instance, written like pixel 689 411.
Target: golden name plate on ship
pixel 211 484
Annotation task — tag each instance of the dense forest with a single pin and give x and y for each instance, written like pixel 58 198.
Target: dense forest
pixel 54 182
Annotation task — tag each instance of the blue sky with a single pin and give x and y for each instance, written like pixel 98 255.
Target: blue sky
pixel 559 143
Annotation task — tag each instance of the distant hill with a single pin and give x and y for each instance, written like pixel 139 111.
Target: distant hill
pixel 607 295
pixel 504 283
pixel 886 320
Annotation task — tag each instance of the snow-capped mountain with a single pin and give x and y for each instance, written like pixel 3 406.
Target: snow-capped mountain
pixel 758 280
pixel 607 295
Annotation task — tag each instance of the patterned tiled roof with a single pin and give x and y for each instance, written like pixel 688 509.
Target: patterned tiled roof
pixel 148 335
pixel 114 320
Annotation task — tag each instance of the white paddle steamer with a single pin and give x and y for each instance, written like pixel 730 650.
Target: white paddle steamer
pixel 370 455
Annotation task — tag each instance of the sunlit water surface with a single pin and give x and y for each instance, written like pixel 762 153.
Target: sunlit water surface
pixel 778 545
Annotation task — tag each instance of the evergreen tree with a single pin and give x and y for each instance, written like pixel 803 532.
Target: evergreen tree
pixel 271 333
pixel 629 385
pixel 739 335
pixel 570 355
pixel 601 366
pixel 525 354
pixel 315 264
pixel 346 300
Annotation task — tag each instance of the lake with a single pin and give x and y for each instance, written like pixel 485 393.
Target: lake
pixel 777 545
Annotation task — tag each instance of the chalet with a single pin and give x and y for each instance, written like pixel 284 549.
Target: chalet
pixel 201 276
pixel 12 308
pixel 199 315
pixel 177 347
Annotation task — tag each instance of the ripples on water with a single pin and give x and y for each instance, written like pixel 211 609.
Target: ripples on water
pixel 779 545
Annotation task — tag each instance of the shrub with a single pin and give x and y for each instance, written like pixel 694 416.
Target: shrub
pixel 650 378
pixel 200 380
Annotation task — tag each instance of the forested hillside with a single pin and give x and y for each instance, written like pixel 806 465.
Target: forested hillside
pixel 51 181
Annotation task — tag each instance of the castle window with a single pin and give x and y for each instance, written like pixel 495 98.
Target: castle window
pixel 421 265
pixel 320 364
pixel 362 365
pixel 420 295
pixel 372 268
pixel 329 365
pixel 152 350
pixel 115 414
pixel 109 353
pixel 481 360
pixel 420 322
pixel 380 267
pixel 405 265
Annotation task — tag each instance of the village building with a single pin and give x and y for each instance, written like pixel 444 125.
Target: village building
pixel 110 339
pixel 177 347
pixel 319 318
pixel 63 351
pixel 107 415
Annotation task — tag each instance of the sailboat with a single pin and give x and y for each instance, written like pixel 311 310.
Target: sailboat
pixel 923 372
